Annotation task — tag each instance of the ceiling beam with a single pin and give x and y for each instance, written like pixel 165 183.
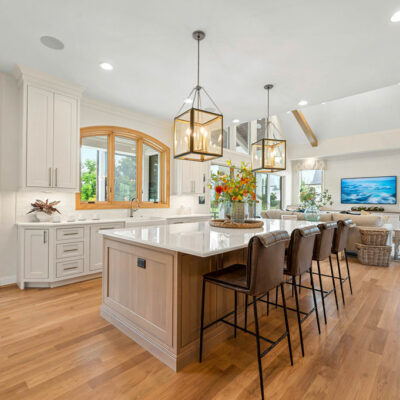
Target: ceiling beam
pixel 305 127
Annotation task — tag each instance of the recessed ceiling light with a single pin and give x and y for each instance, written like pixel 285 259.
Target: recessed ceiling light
pixel 52 42
pixel 188 101
pixel 395 17
pixel 324 102
pixel 106 66
pixel 235 121
pixel 303 102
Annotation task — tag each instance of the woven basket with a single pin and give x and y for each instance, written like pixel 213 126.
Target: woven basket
pixel 374 236
pixel 374 255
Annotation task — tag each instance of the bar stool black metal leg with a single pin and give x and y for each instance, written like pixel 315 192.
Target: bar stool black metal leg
pixel 333 282
pixel 245 310
pixel 267 303
pixel 260 371
pixel 287 324
pixel 235 320
pixel 340 277
pixel 202 320
pixel 276 298
pixel 315 300
pixel 348 270
pixel 298 315
pixel 299 284
pixel 322 290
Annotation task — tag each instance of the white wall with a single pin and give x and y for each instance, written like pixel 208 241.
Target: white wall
pixel 9 174
pixel 378 163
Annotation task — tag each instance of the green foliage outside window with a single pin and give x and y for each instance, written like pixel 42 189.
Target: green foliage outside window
pixel 88 179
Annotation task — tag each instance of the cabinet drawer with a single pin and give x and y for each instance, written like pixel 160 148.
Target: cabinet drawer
pixel 65 250
pixel 69 233
pixel 66 268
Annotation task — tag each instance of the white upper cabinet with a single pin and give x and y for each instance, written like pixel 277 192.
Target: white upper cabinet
pixel 50 131
pixel 65 143
pixel 39 137
pixel 190 177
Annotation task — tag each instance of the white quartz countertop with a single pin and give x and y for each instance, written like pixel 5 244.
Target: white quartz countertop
pixel 136 219
pixel 199 238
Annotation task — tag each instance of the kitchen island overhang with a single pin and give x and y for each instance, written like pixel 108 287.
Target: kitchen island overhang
pixel 152 283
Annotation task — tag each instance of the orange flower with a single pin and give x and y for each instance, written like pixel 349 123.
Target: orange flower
pixel 218 189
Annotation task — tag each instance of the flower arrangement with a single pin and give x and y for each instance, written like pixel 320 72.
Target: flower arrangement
pixel 236 186
pixel 44 207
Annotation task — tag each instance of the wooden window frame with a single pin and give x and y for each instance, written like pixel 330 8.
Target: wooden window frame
pixel 141 138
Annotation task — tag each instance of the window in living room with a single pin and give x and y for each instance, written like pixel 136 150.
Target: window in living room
pixel 120 164
pixel 268 192
pixel 311 178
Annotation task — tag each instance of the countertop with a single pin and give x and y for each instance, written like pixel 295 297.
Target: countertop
pixel 199 238
pixel 135 219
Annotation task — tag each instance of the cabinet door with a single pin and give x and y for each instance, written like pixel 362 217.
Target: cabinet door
pixel 39 137
pixel 36 254
pixel 65 142
pixel 96 245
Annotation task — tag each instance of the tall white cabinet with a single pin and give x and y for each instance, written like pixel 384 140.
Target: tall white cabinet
pixel 49 131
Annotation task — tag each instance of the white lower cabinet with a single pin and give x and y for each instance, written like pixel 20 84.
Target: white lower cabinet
pixel 36 253
pixel 96 244
pixel 57 255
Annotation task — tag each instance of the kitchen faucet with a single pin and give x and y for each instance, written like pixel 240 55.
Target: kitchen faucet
pixel 131 209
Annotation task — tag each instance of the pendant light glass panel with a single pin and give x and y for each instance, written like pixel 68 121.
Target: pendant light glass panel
pixel 198 135
pixel 268 155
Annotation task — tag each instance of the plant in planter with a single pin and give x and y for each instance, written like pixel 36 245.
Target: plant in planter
pixel 44 210
pixel 235 188
pixel 311 202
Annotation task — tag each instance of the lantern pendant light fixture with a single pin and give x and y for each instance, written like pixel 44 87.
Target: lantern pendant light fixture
pixel 197 131
pixel 268 154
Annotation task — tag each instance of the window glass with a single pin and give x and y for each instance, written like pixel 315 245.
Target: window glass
pixel 94 168
pixel 268 192
pixel 124 169
pixel 275 191
pixel 226 138
pixel 242 138
pixel 311 178
pixel 215 209
pixel 151 174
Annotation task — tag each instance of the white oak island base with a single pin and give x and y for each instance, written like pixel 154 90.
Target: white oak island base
pixel 158 304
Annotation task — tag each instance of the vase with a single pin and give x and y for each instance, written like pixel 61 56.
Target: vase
pixel 312 214
pixel 43 217
pixel 237 211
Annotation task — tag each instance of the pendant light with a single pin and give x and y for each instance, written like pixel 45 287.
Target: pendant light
pixel 268 154
pixel 197 131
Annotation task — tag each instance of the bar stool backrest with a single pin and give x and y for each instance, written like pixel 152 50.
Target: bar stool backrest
pixel 324 241
pixel 265 261
pixel 301 248
pixel 341 235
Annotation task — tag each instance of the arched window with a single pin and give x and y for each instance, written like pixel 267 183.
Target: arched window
pixel 120 164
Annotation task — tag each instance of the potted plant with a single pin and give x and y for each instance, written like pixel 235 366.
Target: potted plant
pixel 235 188
pixel 311 202
pixel 44 210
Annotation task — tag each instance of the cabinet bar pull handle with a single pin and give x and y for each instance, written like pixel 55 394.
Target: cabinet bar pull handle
pixel 71 234
pixel 50 176
pixel 68 268
pixel 67 250
pixel 56 178
pixel 44 237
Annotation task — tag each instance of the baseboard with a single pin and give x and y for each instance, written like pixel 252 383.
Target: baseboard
pixel 8 280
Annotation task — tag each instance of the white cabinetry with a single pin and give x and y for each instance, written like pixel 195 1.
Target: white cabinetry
pixel 50 131
pixel 191 177
pixel 96 244
pixel 36 254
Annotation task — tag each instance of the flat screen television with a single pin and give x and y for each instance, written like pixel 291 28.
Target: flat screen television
pixel 375 190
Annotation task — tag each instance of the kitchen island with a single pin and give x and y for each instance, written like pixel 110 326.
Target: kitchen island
pixel 152 283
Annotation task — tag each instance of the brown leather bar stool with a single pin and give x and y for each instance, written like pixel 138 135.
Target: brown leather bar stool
pixel 323 251
pixel 339 245
pixel 299 261
pixel 263 272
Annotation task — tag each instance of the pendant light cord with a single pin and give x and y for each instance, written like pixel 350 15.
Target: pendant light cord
pixel 268 113
pixel 198 62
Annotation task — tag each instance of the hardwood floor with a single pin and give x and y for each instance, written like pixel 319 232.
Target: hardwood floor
pixel 54 345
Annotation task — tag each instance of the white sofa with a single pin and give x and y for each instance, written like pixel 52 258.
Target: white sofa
pixel 354 235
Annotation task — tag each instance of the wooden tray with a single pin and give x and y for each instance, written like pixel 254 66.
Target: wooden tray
pixel 226 223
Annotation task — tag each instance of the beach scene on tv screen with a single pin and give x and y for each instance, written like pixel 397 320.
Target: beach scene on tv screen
pixel 381 190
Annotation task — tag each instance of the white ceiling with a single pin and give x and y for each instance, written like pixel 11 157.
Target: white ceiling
pixel 374 111
pixel 319 50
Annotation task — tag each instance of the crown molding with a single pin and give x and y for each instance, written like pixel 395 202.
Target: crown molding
pixel 28 75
